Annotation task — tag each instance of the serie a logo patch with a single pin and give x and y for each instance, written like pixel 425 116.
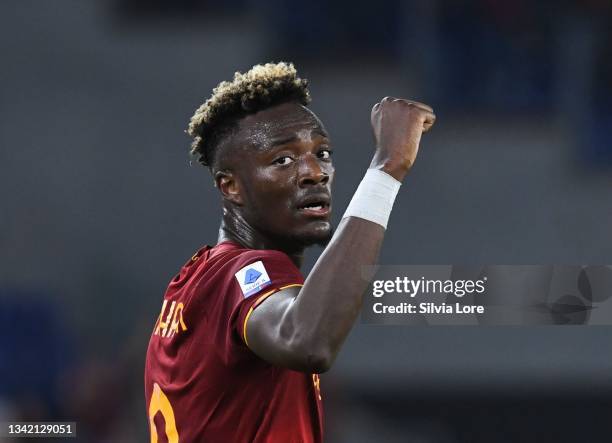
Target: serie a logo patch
pixel 253 278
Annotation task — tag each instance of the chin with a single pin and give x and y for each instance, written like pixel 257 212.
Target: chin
pixel 320 235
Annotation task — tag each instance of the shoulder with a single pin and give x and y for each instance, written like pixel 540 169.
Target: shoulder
pixel 229 265
pixel 234 257
pixel 266 255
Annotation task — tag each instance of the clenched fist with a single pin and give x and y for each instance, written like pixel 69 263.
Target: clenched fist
pixel 398 124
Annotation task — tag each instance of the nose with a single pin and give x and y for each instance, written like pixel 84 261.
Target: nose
pixel 311 172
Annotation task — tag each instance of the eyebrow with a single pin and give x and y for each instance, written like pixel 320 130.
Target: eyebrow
pixel 292 138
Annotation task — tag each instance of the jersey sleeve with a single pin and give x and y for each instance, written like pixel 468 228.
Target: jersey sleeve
pixel 259 275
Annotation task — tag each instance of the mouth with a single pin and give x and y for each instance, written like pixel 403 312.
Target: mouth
pixel 315 206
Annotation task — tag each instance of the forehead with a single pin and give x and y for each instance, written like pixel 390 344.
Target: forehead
pixel 279 124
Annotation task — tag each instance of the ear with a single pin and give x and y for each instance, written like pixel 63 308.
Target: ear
pixel 229 186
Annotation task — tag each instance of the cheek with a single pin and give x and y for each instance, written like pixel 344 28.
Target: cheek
pixel 331 171
pixel 269 193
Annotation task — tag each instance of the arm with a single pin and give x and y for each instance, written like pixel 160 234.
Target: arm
pixel 304 329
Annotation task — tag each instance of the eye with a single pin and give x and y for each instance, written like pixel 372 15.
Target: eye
pixel 283 160
pixel 325 154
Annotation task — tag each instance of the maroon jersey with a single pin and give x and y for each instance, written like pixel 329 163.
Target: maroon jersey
pixel 202 382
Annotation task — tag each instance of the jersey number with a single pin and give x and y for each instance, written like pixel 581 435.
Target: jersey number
pixel 160 403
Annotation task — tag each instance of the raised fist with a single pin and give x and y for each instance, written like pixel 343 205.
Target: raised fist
pixel 398 124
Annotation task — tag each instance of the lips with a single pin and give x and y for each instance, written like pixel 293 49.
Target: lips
pixel 314 205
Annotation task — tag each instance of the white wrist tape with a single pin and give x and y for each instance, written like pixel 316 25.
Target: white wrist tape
pixel 374 197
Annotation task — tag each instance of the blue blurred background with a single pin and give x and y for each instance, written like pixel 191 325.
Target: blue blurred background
pixel 100 207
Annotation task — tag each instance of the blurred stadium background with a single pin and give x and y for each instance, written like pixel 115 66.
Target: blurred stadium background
pixel 100 206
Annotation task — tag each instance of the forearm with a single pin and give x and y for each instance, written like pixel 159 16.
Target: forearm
pixel 304 330
pixel 326 307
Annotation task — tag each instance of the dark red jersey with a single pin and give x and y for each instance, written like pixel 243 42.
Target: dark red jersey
pixel 202 382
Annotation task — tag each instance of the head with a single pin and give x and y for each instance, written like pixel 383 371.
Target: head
pixel 270 157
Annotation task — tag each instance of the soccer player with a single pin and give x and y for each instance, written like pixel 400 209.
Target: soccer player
pixel 237 350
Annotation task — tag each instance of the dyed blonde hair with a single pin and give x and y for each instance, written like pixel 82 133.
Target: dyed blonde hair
pixel 259 88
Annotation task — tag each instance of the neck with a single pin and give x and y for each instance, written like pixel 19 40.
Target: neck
pixel 236 229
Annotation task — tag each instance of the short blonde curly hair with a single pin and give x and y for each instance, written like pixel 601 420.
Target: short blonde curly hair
pixel 259 88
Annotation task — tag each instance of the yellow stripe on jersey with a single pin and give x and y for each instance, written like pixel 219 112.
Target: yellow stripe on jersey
pixel 246 319
pixel 258 302
pixel 291 286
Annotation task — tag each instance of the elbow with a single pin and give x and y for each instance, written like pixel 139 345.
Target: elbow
pixel 319 360
pixel 320 366
pixel 309 352
pixel 309 357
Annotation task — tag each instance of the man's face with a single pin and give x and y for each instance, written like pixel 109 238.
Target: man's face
pixel 284 168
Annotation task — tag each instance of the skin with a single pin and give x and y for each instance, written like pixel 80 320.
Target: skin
pixel 275 159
